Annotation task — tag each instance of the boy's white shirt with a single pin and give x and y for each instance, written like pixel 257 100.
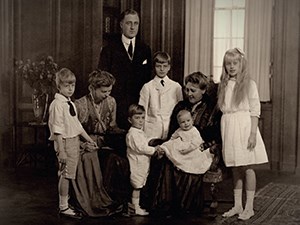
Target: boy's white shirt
pixel 159 102
pixel 60 119
pixel 138 154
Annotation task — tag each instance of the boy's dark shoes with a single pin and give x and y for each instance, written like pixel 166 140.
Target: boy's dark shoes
pixel 70 213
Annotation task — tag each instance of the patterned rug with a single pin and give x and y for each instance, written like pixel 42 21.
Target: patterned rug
pixel 274 204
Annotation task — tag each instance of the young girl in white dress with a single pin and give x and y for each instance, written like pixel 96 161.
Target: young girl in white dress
pixel 243 146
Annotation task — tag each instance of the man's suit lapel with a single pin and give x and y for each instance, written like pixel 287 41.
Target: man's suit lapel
pixel 137 51
pixel 123 50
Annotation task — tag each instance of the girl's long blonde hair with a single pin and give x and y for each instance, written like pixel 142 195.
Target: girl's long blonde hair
pixel 242 80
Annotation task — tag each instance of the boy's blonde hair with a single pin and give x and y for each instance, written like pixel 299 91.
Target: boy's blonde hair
pixel 161 57
pixel 135 109
pixel 64 75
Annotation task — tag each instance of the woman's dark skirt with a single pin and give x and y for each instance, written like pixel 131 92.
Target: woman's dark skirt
pixel 171 191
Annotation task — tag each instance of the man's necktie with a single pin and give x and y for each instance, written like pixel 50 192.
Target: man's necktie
pixel 71 109
pixel 162 82
pixel 130 49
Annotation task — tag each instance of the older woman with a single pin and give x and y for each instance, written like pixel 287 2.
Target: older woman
pixel 97 195
pixel 170 189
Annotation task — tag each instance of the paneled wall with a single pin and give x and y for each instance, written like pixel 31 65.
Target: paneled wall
pixel 163 29
pixel 6 83
pixel 285 93
pixel 69 30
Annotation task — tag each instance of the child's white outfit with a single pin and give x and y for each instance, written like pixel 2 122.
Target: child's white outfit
pixel 138 154
pixel 236 128
pixel 61 122
pixel 195 161
pixel 159 100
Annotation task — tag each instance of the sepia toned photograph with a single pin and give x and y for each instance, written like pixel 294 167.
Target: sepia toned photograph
pixel 150 112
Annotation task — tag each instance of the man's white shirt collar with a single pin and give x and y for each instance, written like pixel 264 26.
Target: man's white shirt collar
pixel 126 42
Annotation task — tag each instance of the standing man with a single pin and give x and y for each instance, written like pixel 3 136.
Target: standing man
pixel 129 60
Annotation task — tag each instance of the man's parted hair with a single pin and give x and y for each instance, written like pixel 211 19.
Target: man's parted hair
pixel 127 12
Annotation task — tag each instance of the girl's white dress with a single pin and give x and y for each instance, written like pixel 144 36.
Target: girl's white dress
pixel 236 128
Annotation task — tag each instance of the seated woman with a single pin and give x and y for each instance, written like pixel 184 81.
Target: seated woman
pixel 97 195
pixel 169 189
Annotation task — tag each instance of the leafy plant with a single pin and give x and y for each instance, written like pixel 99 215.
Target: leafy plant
pixel 38 75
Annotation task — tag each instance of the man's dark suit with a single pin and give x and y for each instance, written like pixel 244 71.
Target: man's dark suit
pixel 130 75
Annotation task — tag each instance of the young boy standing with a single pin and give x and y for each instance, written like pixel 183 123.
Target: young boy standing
pixel 159 96
pixel 65 130
pixel 138 154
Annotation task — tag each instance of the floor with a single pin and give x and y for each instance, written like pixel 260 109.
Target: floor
pixel 28 196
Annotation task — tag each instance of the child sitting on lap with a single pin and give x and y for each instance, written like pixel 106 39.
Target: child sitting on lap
pixel 185 147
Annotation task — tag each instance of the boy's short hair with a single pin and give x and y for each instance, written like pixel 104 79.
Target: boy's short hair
pixel 100 78
pixel 161 57
pixel 182 112
pixel 135 109
pixel 64 75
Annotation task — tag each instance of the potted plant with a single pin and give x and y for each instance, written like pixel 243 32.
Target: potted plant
pixel 40 76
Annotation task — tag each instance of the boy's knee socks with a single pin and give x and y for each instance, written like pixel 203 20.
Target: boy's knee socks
pixel 135 201
pixel 63 202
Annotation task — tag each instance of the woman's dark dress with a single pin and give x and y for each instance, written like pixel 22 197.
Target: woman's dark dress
pixel 169 189
pixel 99 190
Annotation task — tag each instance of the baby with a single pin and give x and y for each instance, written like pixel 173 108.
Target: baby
pixel 184 148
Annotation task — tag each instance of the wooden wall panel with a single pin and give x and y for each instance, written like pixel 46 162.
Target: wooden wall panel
pixel 285 114
pixel 6 84
pixel 33 27
pixel 163 29
pixel 265 127
pixel 66 29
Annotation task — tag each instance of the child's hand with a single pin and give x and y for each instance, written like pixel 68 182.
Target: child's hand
pixel 93 143
pixel 251 141
pixel 201 147
pixel 160 152
pixel 91 146
pixel 62 157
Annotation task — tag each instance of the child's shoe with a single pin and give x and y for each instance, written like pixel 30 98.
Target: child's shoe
pixel 71 213
pixel 246 214
pixel 233 211
pixel 140 212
